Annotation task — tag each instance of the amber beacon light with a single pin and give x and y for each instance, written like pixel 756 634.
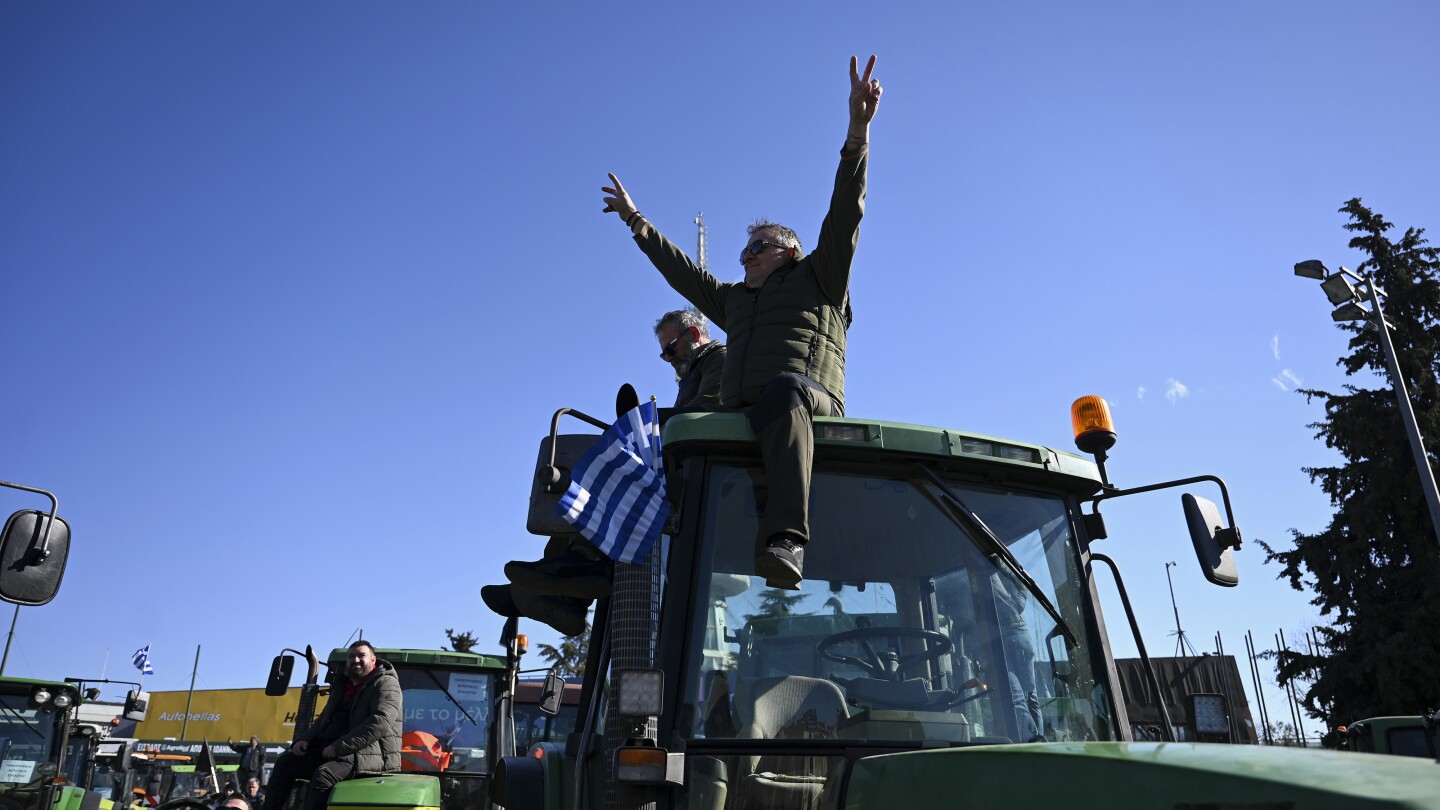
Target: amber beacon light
pixel 1094 429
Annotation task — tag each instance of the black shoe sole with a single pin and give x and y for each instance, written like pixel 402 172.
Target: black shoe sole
pixel 551 611
pixel 586 586
pixel 498 599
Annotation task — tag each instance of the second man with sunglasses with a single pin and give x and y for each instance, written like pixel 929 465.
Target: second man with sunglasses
pixel 786 324
pixel 698 361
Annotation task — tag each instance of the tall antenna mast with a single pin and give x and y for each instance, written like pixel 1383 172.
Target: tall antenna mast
pixel 701 254
pixel 1181 643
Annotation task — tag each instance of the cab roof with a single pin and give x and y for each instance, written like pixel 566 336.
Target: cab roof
pixel 852 438
pixel 431 658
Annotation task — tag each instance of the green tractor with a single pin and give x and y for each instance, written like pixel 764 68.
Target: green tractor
pixel 946 648
pixel 457 724
pixel 34 734
pixel 1404 736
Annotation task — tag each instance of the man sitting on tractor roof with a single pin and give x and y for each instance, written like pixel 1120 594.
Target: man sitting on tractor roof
pixel 358 732
pixel 786 322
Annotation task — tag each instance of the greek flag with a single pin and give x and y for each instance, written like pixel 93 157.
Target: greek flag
pixel 616 497
pixel 141 660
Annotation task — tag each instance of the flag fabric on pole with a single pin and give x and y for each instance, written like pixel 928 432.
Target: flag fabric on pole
pixel 141 660
pixel 616 497
pixel 205 763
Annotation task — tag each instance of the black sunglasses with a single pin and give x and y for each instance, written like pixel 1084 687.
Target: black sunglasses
pixel 755 248
pixel 669 350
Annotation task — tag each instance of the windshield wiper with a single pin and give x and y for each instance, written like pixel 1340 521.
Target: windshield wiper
pixel 986 541
pixel 451 697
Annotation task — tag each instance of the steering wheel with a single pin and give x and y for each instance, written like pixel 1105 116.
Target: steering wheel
pixel 889 668
pixel 185 803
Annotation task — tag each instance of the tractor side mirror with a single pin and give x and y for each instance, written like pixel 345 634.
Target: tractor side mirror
pixel 280 671
pixel 1213 542
pixel 31 564
pixel 552 693
pixel 136 703
pixel 551 481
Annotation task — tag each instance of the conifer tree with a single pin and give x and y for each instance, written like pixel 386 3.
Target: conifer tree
pixel 1375 569
pixel 568 659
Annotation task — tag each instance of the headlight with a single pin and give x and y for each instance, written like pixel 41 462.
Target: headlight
pixel 63 701
pixel 40 697
pixel 640 692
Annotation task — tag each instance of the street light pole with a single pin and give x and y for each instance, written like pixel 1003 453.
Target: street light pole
pixel 1342 290
pixel 1407 411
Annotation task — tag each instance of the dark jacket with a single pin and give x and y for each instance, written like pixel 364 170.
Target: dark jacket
pixel 700 387
pixel 252 761
pixel 369 728
pixel 796 321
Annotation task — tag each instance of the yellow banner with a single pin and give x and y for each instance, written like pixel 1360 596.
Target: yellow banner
pixel 222 714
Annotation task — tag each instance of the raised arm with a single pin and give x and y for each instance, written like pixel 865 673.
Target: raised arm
pixel 697 286
pixel 840 230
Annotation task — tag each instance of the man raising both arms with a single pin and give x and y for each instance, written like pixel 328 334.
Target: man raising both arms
pixel 786 323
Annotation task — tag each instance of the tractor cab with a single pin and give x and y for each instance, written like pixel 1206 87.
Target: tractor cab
pixel 451 734
pixel 449 708
pixel 939 608
pixel 34 732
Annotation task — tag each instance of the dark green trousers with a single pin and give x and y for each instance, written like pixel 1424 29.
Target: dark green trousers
pixel 782 419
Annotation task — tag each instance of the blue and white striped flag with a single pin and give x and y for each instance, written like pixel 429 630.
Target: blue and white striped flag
pixel 141 660
pixel 616 497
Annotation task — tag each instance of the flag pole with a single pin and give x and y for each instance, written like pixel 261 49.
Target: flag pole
pixel 185 724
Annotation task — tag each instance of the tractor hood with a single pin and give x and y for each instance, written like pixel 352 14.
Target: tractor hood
pixel 1159 775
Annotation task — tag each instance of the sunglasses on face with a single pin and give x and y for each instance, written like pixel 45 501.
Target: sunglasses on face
pixel 756 248
pixel 669 351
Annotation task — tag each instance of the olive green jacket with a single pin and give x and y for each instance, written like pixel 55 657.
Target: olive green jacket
pixel 796 321
pixel 369 728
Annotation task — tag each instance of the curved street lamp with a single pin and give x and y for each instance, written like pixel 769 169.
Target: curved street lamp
pixel 1346 290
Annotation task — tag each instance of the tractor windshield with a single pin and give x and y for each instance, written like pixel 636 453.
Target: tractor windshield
pixel 909 626
pixel 447 714
pixel 27 751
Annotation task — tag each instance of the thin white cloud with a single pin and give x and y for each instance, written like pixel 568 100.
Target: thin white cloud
pixel 1177 391
pixel 1140 392
pixel 1287 380
pixel 1275 345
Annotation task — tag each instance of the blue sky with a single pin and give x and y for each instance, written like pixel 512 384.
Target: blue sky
pixel 292 289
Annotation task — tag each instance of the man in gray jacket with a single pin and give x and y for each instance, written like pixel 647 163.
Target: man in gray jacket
pixel 786 322
pixel 358 732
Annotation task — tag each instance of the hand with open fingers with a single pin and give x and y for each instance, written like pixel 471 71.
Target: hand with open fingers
pixel 864 92
pixel 618 199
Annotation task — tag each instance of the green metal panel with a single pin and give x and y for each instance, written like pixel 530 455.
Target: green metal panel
pixel 68 797
pixel 1168 775
pixel 900 439
pixel 430 658
pixel 391 790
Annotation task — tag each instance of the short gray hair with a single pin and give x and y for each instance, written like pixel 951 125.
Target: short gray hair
pixel 684 319
pixel 783 235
